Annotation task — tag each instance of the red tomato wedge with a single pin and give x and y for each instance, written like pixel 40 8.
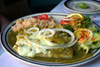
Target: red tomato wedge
pixel 43 17
pixel 36 17
pixel 64 22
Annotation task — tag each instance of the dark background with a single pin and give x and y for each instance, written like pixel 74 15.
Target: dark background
pixel 13 9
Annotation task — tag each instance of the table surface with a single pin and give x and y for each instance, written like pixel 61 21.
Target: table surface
pixel 7 61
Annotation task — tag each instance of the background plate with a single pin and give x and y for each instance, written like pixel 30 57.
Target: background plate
pixel 94 7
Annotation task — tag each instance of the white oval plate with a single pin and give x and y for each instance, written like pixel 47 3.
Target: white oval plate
pixel 57 17
pixel 94 7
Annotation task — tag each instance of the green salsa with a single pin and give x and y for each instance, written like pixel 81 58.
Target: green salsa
pixel 77 55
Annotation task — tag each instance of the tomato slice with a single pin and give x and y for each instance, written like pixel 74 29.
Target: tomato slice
pixel 64 22
pixel 43 17
pixel 36 17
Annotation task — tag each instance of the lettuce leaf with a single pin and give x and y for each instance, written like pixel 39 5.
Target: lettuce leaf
pixel 89 45
pixel 87 20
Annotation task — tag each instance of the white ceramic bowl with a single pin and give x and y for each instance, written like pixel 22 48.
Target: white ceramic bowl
pixel 93 6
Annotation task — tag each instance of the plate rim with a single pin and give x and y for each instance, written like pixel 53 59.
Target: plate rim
pixel 62 64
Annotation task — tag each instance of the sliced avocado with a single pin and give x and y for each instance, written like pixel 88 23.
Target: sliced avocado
pixel 95 29
pixel 97 35
pixel 95 45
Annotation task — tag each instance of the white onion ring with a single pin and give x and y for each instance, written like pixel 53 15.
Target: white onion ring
pixel 48 47
pixel 67 31
pixel 71 43
pixel 58 29
pixel 46 30
pixel 91 34
pixel 33 28
pixel 67 19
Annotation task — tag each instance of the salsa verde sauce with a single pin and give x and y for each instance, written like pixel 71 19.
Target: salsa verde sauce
pixel 77 55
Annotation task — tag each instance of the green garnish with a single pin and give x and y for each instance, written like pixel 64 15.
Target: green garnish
pixel 83 5
pixel 87 20
pixel 69 27
pixel 95 29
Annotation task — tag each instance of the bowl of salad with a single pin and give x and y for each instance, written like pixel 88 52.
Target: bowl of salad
pixel 52 39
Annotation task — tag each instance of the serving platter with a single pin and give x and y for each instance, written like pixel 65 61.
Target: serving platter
pixel 9 50
pixel 71 5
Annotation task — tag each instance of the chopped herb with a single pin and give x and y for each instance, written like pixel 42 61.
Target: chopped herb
pixel 69 27
pixel 87 20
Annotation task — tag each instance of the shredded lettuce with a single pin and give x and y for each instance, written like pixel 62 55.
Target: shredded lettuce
pixel 93 44
pixel 84 47
pixel 89 45
pixel 93 27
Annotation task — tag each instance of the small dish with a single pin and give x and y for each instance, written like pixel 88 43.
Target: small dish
pixel 93 7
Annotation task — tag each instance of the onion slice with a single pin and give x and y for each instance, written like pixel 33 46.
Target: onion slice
pixel 91 34
pixel 67 31
pixel 57 29
pixel 43 33
pixel 33 28
pixel 49 47
pixel 67 19
pixel 52 31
